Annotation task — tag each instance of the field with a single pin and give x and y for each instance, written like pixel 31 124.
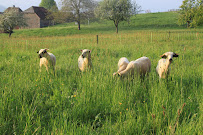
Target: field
pixel 95 102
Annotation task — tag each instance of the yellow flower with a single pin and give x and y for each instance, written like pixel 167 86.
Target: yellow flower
pixel 74 95
pixel 120 112
pixel 126 109
pixel 120 103
pixel 62 84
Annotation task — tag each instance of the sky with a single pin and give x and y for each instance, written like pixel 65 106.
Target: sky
pixel 152 5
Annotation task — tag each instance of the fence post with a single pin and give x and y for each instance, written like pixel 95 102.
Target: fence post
pixel 97 39
pixel 169 33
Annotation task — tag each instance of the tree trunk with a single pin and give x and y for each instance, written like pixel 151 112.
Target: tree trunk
pixel 188 24
pixel 78 25
pixel 78 18
pixel 10 32
pixel 116 24
pixel 117 29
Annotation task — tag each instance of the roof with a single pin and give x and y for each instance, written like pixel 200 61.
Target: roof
pixel 13 9
pixel 40 11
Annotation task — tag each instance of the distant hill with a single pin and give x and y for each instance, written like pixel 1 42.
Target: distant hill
pixel 149 21
pixel 2 8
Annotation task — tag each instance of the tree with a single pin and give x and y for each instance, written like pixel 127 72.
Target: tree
pixel 49 4
pixel 10 20
pixel 79 8
pixel 60 17
pixel 191 13
pixel 116 10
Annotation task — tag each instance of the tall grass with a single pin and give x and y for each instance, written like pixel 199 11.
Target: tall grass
pixel 94 102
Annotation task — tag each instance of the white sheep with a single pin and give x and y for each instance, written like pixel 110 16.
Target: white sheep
pixel 163 68
pixel 84 60
pixel 139 67
pixel 122 64
pixel 47 59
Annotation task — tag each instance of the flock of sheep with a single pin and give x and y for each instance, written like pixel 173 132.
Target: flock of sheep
pixel 139 67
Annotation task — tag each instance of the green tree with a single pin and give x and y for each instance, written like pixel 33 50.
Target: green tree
pixel 10 20
pixel 116 10
pixel 80 9
pixel 191 13
pixel 49 4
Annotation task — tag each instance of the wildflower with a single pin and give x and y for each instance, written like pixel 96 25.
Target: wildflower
pixel 126 109
pixel 120 112
pixel 120 103
pixel 144 101
pixel 74 95
pixel 36 85
pixel 62 84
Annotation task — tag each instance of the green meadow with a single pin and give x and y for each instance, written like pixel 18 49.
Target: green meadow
pixel 95 102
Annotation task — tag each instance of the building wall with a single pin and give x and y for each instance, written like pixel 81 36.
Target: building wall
pixel 44 23
pixel 33 21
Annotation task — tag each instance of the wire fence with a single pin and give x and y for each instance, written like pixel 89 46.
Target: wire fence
pixel 101 39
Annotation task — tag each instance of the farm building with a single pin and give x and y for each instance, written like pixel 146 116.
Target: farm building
pixel 13 9
pixel 36 17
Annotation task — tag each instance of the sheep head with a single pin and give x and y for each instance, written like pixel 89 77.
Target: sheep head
pixel 169 55
pixel 85 53
pixel 42 52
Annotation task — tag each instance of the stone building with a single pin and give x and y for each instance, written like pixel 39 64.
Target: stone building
pixel 36 17
pixel 13 9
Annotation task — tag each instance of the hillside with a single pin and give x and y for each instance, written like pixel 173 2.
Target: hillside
pixel 150 21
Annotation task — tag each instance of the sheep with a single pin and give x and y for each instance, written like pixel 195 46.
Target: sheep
pixel 163 68
pixel 122 64
pixel 47 59
pixel 139 67
pixel 84 60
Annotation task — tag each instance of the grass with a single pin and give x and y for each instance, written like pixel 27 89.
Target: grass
pixel 94 102
pixel 148 22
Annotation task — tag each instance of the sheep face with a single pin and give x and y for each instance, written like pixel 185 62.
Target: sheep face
pixel 42 52
pixel 169 56
pixel 85 53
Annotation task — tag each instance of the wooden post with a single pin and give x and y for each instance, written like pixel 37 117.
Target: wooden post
pixel 97 39
pixel 169 33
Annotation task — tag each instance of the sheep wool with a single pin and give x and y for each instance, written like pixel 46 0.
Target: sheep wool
pixel 163 66
pixel 139 67
pixel 84 60
pixel 47 59
pixel 122 64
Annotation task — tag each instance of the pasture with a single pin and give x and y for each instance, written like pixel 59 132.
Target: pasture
pixel 94 102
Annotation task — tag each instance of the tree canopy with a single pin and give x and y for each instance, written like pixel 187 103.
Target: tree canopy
pixel 49 4
pixel 10 20
pixel 116 10
pixel 79 8
pixel 191 13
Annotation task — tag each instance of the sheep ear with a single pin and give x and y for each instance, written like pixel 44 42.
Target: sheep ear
pixel 175 55
pixel 163 56
pixel 37 51
pixel 90 51
pixel 46 49
pixel 81 50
